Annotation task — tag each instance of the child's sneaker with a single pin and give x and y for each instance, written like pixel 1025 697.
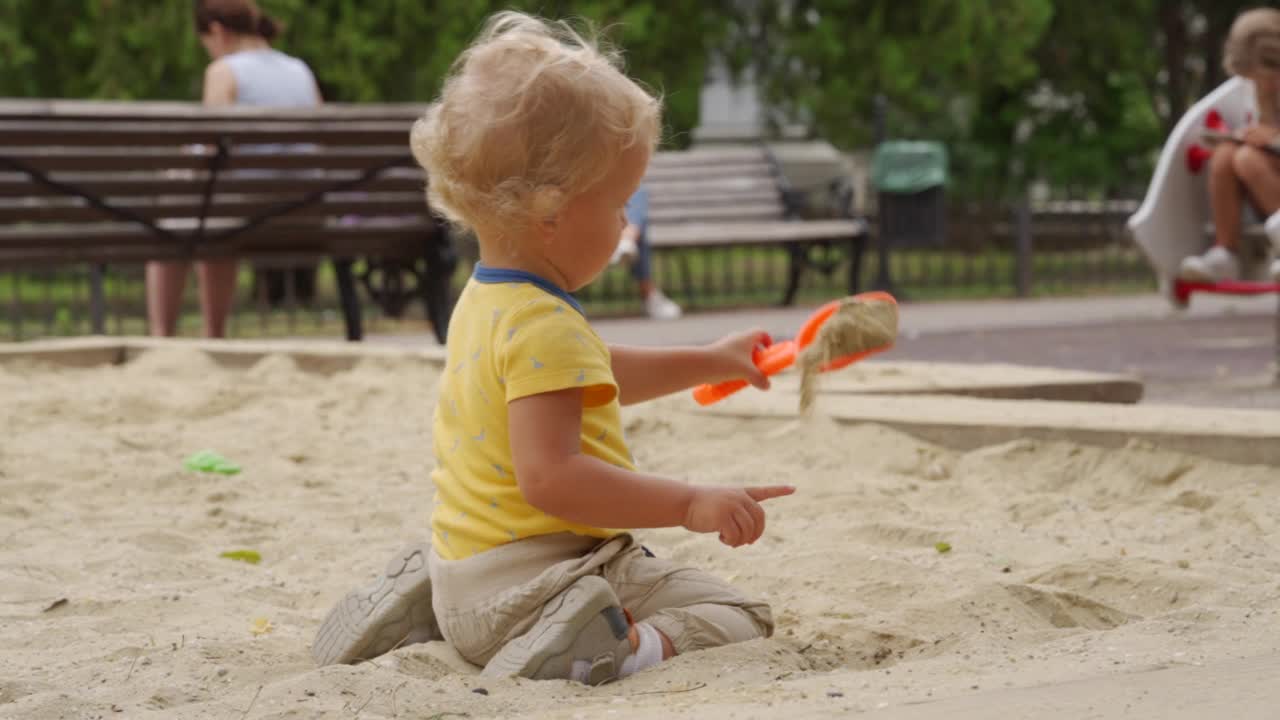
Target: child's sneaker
pixel 581 635
pixel 392 611
pixel 1216 265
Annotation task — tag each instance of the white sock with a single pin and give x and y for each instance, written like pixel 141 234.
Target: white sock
pixel 648 654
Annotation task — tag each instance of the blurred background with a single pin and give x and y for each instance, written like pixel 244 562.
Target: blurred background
pixel 1051 112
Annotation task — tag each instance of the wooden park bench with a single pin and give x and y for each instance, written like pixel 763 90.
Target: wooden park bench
pixel 725 197
pixel 115 183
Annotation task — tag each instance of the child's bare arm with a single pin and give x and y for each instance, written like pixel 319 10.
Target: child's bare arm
pixel 556 477
pixel 646 373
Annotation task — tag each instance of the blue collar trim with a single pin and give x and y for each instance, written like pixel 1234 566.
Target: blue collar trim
pixel 491 276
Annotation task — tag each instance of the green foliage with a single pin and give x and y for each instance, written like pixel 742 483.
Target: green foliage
pixel 834 55
pixel 1075 93
pixel 934 61
pixel 361 51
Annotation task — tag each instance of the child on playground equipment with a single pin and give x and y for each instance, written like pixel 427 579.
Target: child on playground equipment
pixel 1246 167
pixel 536 143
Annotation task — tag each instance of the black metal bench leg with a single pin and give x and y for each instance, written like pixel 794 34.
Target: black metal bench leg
pixel 857 246
pixel 437 283
pixel 350 300
pixel 795 269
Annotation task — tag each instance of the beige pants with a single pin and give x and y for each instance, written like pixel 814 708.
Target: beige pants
pixel 484 602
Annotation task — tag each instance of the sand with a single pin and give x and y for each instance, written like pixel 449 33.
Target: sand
pixel 857 326
pixel 1067 562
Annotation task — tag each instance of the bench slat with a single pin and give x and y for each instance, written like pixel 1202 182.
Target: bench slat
pixel 134 134
pixel 227 206
pixel 753 233
pixel 718 186
pixel 188 182
pixel 53 159
pixel 707 157
pixel 716 213
pixel 708 172
pixel 167 112
pixel 699 199
pixel 406 246
pixel 125 241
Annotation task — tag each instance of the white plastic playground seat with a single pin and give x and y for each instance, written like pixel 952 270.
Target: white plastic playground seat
pixel 1170 224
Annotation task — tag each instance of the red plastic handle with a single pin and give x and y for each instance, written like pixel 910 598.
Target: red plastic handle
pixel 770 360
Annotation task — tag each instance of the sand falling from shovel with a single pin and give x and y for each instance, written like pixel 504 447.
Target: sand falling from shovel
pixel 856 326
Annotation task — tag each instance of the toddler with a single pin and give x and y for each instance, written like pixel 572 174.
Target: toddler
pixel 536 143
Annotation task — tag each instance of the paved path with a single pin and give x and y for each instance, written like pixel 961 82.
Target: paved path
pixel 1221 351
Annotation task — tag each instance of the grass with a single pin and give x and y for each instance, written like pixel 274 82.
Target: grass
pixel 55 301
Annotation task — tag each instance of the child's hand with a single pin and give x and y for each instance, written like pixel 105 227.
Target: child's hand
pixel 731 358
pixel 735 513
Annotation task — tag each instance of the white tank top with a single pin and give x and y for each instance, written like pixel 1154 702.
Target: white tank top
pixel 270 78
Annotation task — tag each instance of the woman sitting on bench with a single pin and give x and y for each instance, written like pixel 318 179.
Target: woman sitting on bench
pixel 1246 169
pixel 245 71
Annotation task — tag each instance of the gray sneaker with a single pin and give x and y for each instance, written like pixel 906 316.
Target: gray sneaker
pixel 581 635
pixel 1216 265
pixel 392 611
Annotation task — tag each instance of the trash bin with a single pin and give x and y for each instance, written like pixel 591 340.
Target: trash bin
pixel 910 178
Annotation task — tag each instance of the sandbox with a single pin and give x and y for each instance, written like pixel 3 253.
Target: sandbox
pixel 1067 562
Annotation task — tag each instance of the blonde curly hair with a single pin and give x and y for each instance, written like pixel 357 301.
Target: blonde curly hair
pixel 532 114
pixel 1253 43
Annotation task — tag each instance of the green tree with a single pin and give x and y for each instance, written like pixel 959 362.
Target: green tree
pixel 388 51
pixel 1076 93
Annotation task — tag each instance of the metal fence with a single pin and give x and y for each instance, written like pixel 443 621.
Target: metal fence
pixel 991 250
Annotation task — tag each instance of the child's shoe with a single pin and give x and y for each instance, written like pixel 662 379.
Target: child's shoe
pixel 392 611
pixel 581 635
pixel 1216 265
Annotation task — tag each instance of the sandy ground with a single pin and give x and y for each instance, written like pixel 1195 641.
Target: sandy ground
pixel 1066 562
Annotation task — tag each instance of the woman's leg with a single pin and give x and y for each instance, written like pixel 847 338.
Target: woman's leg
pixel 1226 196
pixel 217 292
pixel 1259 173
pixel 165 283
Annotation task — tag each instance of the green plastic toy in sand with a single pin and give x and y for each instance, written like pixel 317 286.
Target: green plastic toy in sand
pixel 210 462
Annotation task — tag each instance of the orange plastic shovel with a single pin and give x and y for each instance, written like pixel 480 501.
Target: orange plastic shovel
pixel 779 356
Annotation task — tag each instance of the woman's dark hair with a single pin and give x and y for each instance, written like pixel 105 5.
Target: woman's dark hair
pixel 239 16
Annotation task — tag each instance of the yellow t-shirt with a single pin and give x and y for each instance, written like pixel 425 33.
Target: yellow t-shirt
pixel 512 335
